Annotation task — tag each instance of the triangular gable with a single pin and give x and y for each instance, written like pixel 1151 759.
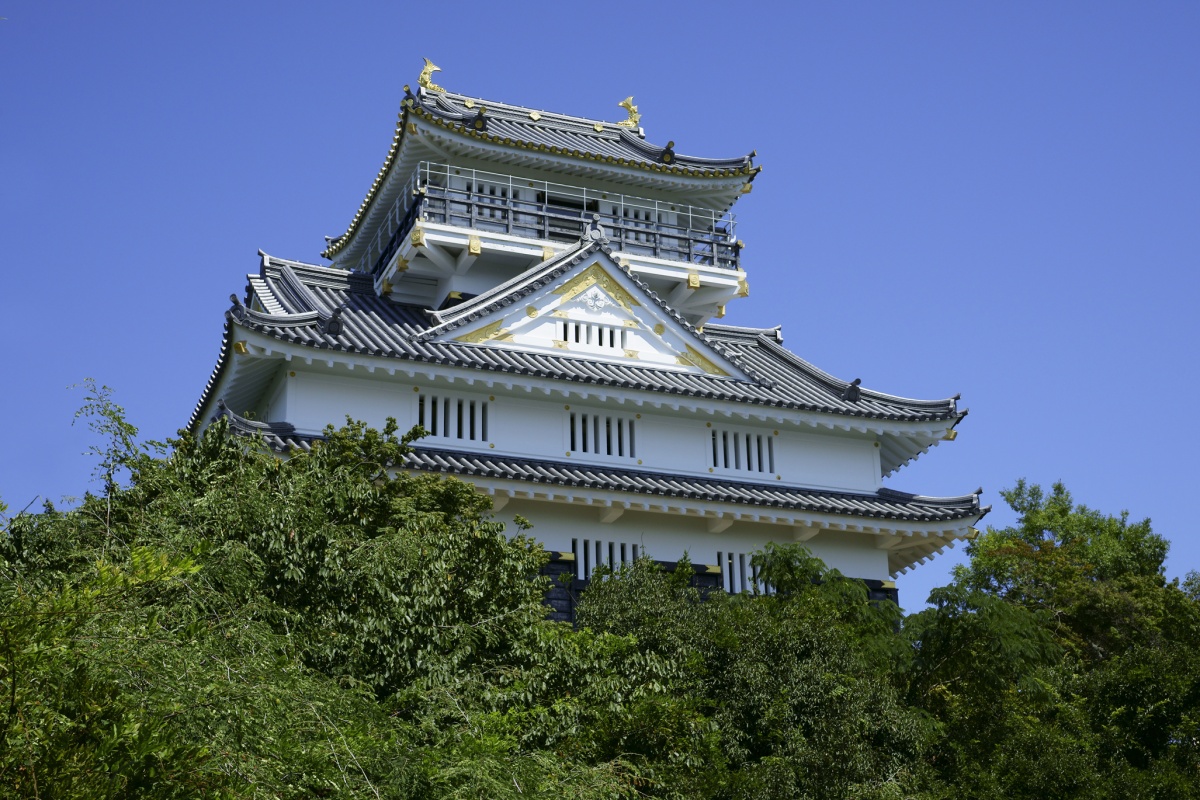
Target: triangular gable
pixel 584 304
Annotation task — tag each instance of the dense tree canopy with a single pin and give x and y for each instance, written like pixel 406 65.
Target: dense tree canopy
pixel 219 622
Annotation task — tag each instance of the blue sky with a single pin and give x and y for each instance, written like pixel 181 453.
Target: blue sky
pixel 1001 200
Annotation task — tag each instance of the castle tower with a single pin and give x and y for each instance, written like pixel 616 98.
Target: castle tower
pixel 536 291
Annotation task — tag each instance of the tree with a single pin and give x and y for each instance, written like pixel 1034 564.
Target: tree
pixel 1061 657
pixel 796 686
pixel 234 624
pixel 222 622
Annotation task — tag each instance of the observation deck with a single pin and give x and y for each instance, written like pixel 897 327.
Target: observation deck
pixel 552 213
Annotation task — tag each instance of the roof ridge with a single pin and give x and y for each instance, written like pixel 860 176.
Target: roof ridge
pixel 492 105
pixel 742 331
pixel 245 423
pixel 301 290
pixel 291 262
pixel 245 314
pixel 837 386
pixel 930 499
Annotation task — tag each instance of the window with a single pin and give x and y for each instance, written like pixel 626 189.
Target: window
pixel 608 337
pixel 739 575
pixel 637 218
pixel 592 553
pixel 449 417
pixel 737 450
pixel 486 194
pixel 602 434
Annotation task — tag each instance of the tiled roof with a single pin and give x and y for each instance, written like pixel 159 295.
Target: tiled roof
pixel 532 130
pixel 305 297
pixel 884 504
pixel 570 134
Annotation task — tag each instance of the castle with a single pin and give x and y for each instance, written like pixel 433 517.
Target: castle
pixel 538 292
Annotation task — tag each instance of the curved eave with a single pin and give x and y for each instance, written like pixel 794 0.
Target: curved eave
pixel 746 173
pixel 338 244
pixel 644 164
pixel 698 387
pixel 375 327
pixel 214 378
pixel 936 409
pixel 225 371
pixel 455 107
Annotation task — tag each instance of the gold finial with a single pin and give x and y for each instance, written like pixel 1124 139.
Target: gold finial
pixel 634 116
pixel 424 81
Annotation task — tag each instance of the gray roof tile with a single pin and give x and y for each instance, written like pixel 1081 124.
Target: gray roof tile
pixel 377 326
pixel 559 130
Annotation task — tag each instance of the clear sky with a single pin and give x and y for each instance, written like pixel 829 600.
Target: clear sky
pixel 997 199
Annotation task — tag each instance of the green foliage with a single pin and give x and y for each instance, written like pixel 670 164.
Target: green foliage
pixel 223 623
pixel 233 624
pixel 1061 659
pixel 794 691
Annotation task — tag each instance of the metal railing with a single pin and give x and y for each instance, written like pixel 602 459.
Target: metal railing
pixel 490 201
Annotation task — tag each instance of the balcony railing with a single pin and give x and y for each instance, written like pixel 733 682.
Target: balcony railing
pixel 489 201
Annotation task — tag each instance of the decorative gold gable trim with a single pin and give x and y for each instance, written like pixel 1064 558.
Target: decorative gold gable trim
pixel 493 330
pixel 596 276
pixel 694 358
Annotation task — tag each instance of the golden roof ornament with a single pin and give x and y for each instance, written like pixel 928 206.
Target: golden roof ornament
pixel 634 116
pixel 425 82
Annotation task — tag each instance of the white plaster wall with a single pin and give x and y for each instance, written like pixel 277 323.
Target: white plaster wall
pixel 521 424
pixel 316 400
pixel 276 409
pixel 854 554
pixel 827 461
pixel 675 443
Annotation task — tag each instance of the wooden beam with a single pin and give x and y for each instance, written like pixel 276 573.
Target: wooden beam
pixel 440 258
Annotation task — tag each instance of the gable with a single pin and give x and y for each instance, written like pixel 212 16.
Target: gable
pixel 594 310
